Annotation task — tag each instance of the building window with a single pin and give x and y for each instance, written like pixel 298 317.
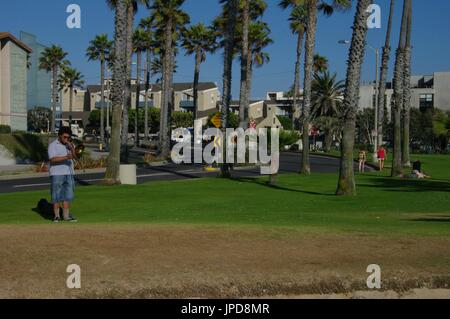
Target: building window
pixel 426 101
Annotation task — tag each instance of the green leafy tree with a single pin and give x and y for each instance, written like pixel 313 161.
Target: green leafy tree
pixel 38 119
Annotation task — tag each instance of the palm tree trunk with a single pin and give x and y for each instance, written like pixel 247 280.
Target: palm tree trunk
pixel 119 78
pixel 295 107
pixel 125 118
pixel 198 61
pixel 102 103
pixel 346 184
pixel 243 99
pixel 138 93
pixel 227 75
pixel 309 61
pixel 166 92
pixel 147 84
pixel 328 140
pixel 406 162
pixel 384 71
pixel 70 105
pixel 55 94
pixel 249 83
pixel 397 168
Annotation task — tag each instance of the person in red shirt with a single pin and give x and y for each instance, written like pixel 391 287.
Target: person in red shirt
pixel 381 154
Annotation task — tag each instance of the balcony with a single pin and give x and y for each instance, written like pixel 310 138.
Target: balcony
pixel 187 104
pixel 98 105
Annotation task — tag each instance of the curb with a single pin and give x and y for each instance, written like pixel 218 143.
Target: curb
pixel 42 175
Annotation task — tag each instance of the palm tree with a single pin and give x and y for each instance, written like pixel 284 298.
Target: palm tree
pixel 69 79
pixel 132 8
pixel 346 184
pixel 259 38
pixel 169 18
pixel 298 19
pixel 407 92
pixel 147 24
pixel 232 7
pixel 312 7
pixel 244 98
pixel 397 167
pixel 52 60
pixel 198 40
pixel 99 50
pixel 383 75
pixel 320 64
pixel 117 91
pixel 326 101
pixel 141 41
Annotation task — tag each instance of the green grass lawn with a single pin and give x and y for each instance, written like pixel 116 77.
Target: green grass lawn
pixel 383 205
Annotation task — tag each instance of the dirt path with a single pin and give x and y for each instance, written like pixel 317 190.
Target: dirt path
pixel 192 261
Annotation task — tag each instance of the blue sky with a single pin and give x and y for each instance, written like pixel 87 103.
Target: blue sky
pixel 431 34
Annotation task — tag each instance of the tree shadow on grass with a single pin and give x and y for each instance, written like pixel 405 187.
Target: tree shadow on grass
pixel 258 181
pixel 407 185
pixel 432 218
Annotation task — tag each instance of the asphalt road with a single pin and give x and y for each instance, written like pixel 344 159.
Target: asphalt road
pixel 289 163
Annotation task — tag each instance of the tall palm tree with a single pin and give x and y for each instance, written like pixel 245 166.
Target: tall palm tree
pixel 99 50
pixel 259 38
pixel 169 18
pixel 326 101
pixel 117 91
pixel 383 74
pixel 244 99
pixel 312 7
pixel 232 7
pixel 320 64
pixel 199 40
pixel 141 41
pixel 397 167
pixel 52 60
pixel 298 21
pixel 407 92
pixel 69 79
pixel 346 184
pixel 147 24
pixel 326 94
pixel 132 9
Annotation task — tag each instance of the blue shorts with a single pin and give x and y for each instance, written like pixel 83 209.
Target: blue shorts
pixel 62 188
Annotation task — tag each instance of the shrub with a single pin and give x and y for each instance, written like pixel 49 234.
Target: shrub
pixel 26 147
pixel 286 122
pixel 5 129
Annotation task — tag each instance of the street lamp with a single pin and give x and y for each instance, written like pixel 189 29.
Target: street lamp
pixel 377 59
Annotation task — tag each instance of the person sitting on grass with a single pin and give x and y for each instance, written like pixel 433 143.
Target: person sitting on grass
pixel 61 153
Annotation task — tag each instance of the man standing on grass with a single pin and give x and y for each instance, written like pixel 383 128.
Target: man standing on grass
pixel 61 152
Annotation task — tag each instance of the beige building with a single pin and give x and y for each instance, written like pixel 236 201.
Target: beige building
pixel 208 95
pixel 13 82
pixel 263 113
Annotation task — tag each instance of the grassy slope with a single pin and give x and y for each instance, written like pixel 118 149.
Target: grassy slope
pixel 384 205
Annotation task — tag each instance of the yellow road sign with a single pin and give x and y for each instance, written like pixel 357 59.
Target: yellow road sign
pixel 216 121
